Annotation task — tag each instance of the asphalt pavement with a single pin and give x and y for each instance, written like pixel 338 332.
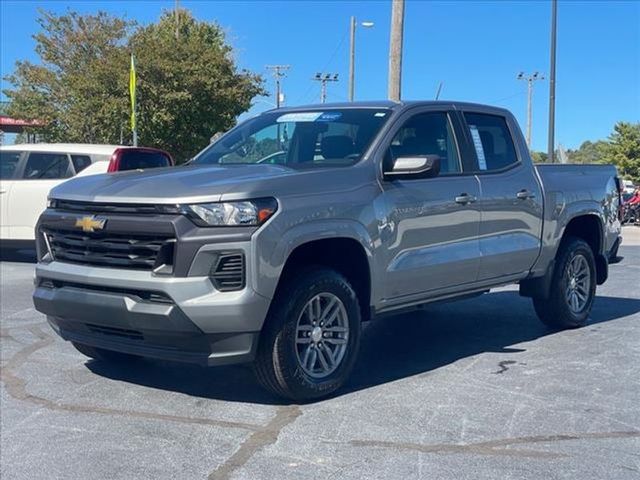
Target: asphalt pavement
pixel 477 389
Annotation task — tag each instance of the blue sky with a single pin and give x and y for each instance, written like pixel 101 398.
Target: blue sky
pixel 475 48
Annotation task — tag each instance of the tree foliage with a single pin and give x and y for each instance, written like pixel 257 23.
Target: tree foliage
pixel 589 152
pixel 622 149
pixel 189 86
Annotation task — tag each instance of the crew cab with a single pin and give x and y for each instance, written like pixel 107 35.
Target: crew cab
pixel 29 171
pixel 279 239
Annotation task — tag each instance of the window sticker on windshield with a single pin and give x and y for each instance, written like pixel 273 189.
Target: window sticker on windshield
pixel 380 114
pixel 299 117
pixel 329 117
pixel 477 143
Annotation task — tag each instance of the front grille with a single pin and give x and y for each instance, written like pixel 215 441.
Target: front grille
pixel 228 272
pixel 118 250
pixel 118 208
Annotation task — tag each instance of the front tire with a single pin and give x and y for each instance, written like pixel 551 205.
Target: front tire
pixel 573 287
pixel 311 337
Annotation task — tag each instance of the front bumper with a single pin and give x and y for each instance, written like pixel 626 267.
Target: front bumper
pixel 173 318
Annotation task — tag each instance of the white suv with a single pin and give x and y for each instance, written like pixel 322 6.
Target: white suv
pixel 29 171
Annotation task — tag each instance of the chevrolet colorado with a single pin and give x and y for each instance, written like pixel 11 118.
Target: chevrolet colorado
pixel 277 241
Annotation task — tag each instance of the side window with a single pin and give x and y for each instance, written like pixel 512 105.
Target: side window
pixel 80 162
pixel 492 141
pixel 427 134
pixel 8 164
pixel 47 166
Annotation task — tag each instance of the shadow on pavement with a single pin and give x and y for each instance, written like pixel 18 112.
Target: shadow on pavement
pixel 392 348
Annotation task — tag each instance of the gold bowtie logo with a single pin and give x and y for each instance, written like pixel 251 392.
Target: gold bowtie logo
pixel 90 224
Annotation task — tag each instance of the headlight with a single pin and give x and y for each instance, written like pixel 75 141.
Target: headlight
pixel 230 214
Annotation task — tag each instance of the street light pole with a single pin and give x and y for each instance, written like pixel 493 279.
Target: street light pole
pixel 552 83
pixel 530 78
pixel 324 78
pixel 352 55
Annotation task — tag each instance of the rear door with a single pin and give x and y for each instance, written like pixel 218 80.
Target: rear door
pixel 432 223
pixel 28 197
pixel 510 195
pixel 9 167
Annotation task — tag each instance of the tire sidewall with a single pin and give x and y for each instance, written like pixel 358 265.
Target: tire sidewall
pixel 302 290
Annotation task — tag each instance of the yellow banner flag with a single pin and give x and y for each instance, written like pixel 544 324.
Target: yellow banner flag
pixel 132 92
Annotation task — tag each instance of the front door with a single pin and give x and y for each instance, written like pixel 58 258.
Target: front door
pixel 432 223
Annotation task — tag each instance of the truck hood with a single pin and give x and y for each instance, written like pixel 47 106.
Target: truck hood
pixel 166 185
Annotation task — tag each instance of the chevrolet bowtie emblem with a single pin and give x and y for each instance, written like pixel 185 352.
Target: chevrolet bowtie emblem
pixel 90 224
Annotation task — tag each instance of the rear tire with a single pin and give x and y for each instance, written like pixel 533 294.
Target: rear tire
pixel 104 355
pixel 311 338
pixel 573 287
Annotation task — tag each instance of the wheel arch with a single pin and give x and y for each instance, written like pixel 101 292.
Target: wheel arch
pixel 345 250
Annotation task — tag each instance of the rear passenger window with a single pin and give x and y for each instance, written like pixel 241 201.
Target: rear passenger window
pixel 47 166
pixel 492 141
pixel 80 162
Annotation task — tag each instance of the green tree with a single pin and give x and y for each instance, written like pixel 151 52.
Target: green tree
pixel 589 152
pixel 79 88
pixel 188 85
pixel 623 150
pixel 539 157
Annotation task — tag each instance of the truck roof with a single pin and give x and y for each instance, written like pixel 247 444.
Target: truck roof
pixel 388 104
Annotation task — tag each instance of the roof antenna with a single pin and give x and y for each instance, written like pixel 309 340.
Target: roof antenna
pixel 439 90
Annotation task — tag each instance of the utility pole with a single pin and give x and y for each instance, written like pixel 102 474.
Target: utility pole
pixel 279 71
pixel 177 15
pixel 324 78
pixel 530 78
pixel 552 83
pixel 352 59
pixel 395 49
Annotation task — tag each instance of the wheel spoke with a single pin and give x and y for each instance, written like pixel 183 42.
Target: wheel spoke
pixel 312 359
pixel 328 308
pixel 305 358
pixel 303 340
pixel 336 329
pixel 323 361
pixel 331 318
pixel 336 341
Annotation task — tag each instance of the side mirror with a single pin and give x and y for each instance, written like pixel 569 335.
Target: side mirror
pixel 419 166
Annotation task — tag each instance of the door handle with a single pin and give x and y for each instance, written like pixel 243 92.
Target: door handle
pixel 524 194
pixel 465 198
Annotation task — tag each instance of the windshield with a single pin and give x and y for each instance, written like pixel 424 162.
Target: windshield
pixel 335 137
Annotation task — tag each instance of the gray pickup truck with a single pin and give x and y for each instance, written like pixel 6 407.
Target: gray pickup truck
pixel 277 241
